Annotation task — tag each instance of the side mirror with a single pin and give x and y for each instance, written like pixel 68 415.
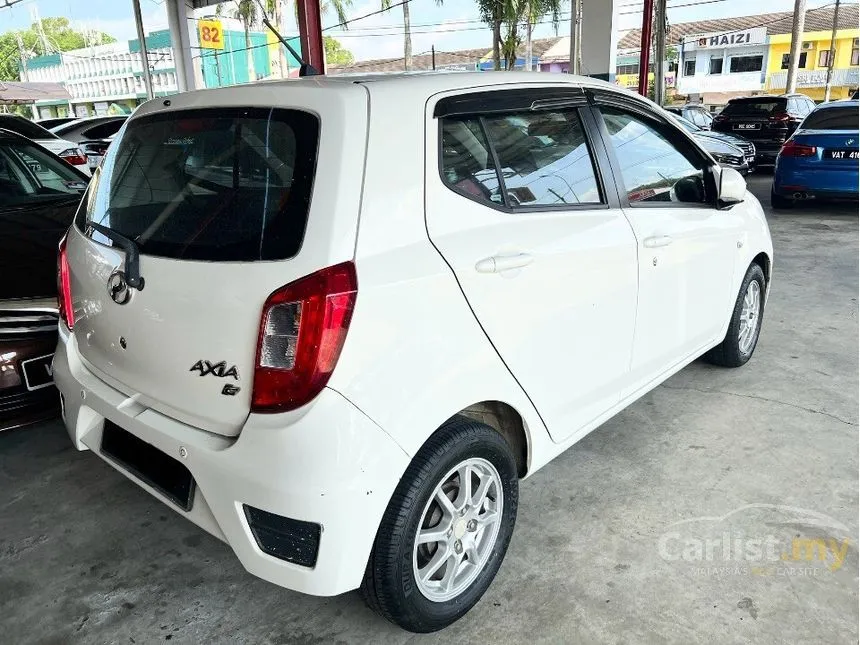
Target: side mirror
pixel 733 187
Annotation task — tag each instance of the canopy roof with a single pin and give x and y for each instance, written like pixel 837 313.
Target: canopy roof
pixel 13 92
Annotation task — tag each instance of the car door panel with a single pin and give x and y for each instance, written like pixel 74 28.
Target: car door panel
pixel 686 246
pixel 553 287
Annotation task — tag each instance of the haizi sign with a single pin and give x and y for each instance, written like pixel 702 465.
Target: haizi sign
pixel 728 39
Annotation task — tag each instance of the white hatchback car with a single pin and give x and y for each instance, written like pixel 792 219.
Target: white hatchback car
pixel 334 321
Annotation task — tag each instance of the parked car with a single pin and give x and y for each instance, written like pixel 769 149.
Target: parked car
pixel 353 406
pixel 66 150
pixel 725 152
pixel 820 160
pixel 698 114
pixel 92 134
pixel 55 121
pixel 39 194
pixel 767 121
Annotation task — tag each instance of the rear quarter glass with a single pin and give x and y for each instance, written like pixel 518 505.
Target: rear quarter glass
pixel 214 184
pixel 835 118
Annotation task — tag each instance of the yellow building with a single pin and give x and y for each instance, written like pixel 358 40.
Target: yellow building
pixel 812 71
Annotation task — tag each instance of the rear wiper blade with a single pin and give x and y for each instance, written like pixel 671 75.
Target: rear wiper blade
pixel 132 254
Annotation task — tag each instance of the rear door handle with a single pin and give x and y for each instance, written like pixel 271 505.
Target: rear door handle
pixel 499 263
pixel 657 241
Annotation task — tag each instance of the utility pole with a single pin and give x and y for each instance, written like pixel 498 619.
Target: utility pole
pixel 46 47
pixel 660 53
pixel 144 57
pixel 433 56
pixel 575 65
pixel 796 40
pixel 645 46
pixel 831 58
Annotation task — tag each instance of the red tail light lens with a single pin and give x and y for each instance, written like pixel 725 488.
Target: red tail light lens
pixel 73 156
pixel 720 118
pixel 302 331
pixel 793 149
pixel 782 117
pixel 64 287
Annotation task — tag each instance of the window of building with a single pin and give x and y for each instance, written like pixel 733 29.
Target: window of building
pixel 627 69
pixel 855 56
pixel 787 57
pixel 824 58
pixel 690 67
pixel 716 65
pixel 739 64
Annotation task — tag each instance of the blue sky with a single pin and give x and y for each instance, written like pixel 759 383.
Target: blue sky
pixel 450 27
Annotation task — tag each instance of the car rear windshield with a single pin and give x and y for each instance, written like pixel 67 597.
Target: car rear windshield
pixel 220 184
pixel 835 118
pixel 25 128
pixel 758 107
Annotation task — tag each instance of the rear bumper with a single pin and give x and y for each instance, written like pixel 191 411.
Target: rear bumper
pixel 817 182
pixel 326 464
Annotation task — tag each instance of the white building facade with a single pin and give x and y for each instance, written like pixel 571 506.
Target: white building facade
pixel 720 65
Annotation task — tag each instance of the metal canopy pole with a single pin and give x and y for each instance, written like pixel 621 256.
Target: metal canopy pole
pixel 660 55
pixel 645 46
pixel 144 57
pixel 310 33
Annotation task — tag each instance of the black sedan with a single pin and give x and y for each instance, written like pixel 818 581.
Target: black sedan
pixel 727 150
pixel 39 194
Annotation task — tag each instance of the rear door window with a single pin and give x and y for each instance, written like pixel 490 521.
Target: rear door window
pixel 835 118
pixel 760 107
pixel 29 176
pixel 543 159
pixel 225 184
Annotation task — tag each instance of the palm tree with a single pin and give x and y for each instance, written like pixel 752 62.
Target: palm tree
pixel 246 11
pixel 532 12
pixel 407 32
pixel 493 13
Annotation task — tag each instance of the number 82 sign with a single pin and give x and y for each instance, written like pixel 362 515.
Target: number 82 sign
pixel 210 34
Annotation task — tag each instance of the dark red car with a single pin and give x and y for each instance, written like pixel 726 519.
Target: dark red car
pixel 39 194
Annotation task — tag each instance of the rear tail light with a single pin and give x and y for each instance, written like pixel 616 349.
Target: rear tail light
pixel 74 156
pixel 302 331
pixel 781 117
pixel 720 118
pixel 793 149
pixel 64 287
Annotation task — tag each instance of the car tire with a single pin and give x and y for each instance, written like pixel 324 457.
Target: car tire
pixel 779 202
pixel 742 337
pixel 400 582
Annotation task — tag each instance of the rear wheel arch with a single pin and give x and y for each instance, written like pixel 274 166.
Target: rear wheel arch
pixel 509 423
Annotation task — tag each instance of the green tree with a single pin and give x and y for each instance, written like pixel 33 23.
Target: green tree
pixel 494 13
pixel 246 11
pixel 59 37
pixel 337 54
pixel 532 12
pixel 407 31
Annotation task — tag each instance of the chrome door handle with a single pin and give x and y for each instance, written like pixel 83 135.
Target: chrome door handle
pixel 499 263
pixel 657 241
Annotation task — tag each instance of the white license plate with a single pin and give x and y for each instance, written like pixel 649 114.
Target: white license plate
pixel 747 126
pixel 38 372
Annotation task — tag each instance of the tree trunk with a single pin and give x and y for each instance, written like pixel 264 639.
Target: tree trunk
pixel 283 63
pixel 529 44
pixel 252 74
pixel 497 44
pixel 407 39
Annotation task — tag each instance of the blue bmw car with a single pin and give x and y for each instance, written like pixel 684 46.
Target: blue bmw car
pixel 820 160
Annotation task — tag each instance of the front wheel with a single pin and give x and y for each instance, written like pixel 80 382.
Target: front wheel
pixel 446 530
pixel 742 337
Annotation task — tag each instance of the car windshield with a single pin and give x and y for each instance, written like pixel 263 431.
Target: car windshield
pixel 754 107
pixel 225 184
pixel 25 128
pixel 832 118
pixel 29 175
pixel 688 125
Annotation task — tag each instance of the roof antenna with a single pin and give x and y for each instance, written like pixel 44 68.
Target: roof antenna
pixel 306 69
